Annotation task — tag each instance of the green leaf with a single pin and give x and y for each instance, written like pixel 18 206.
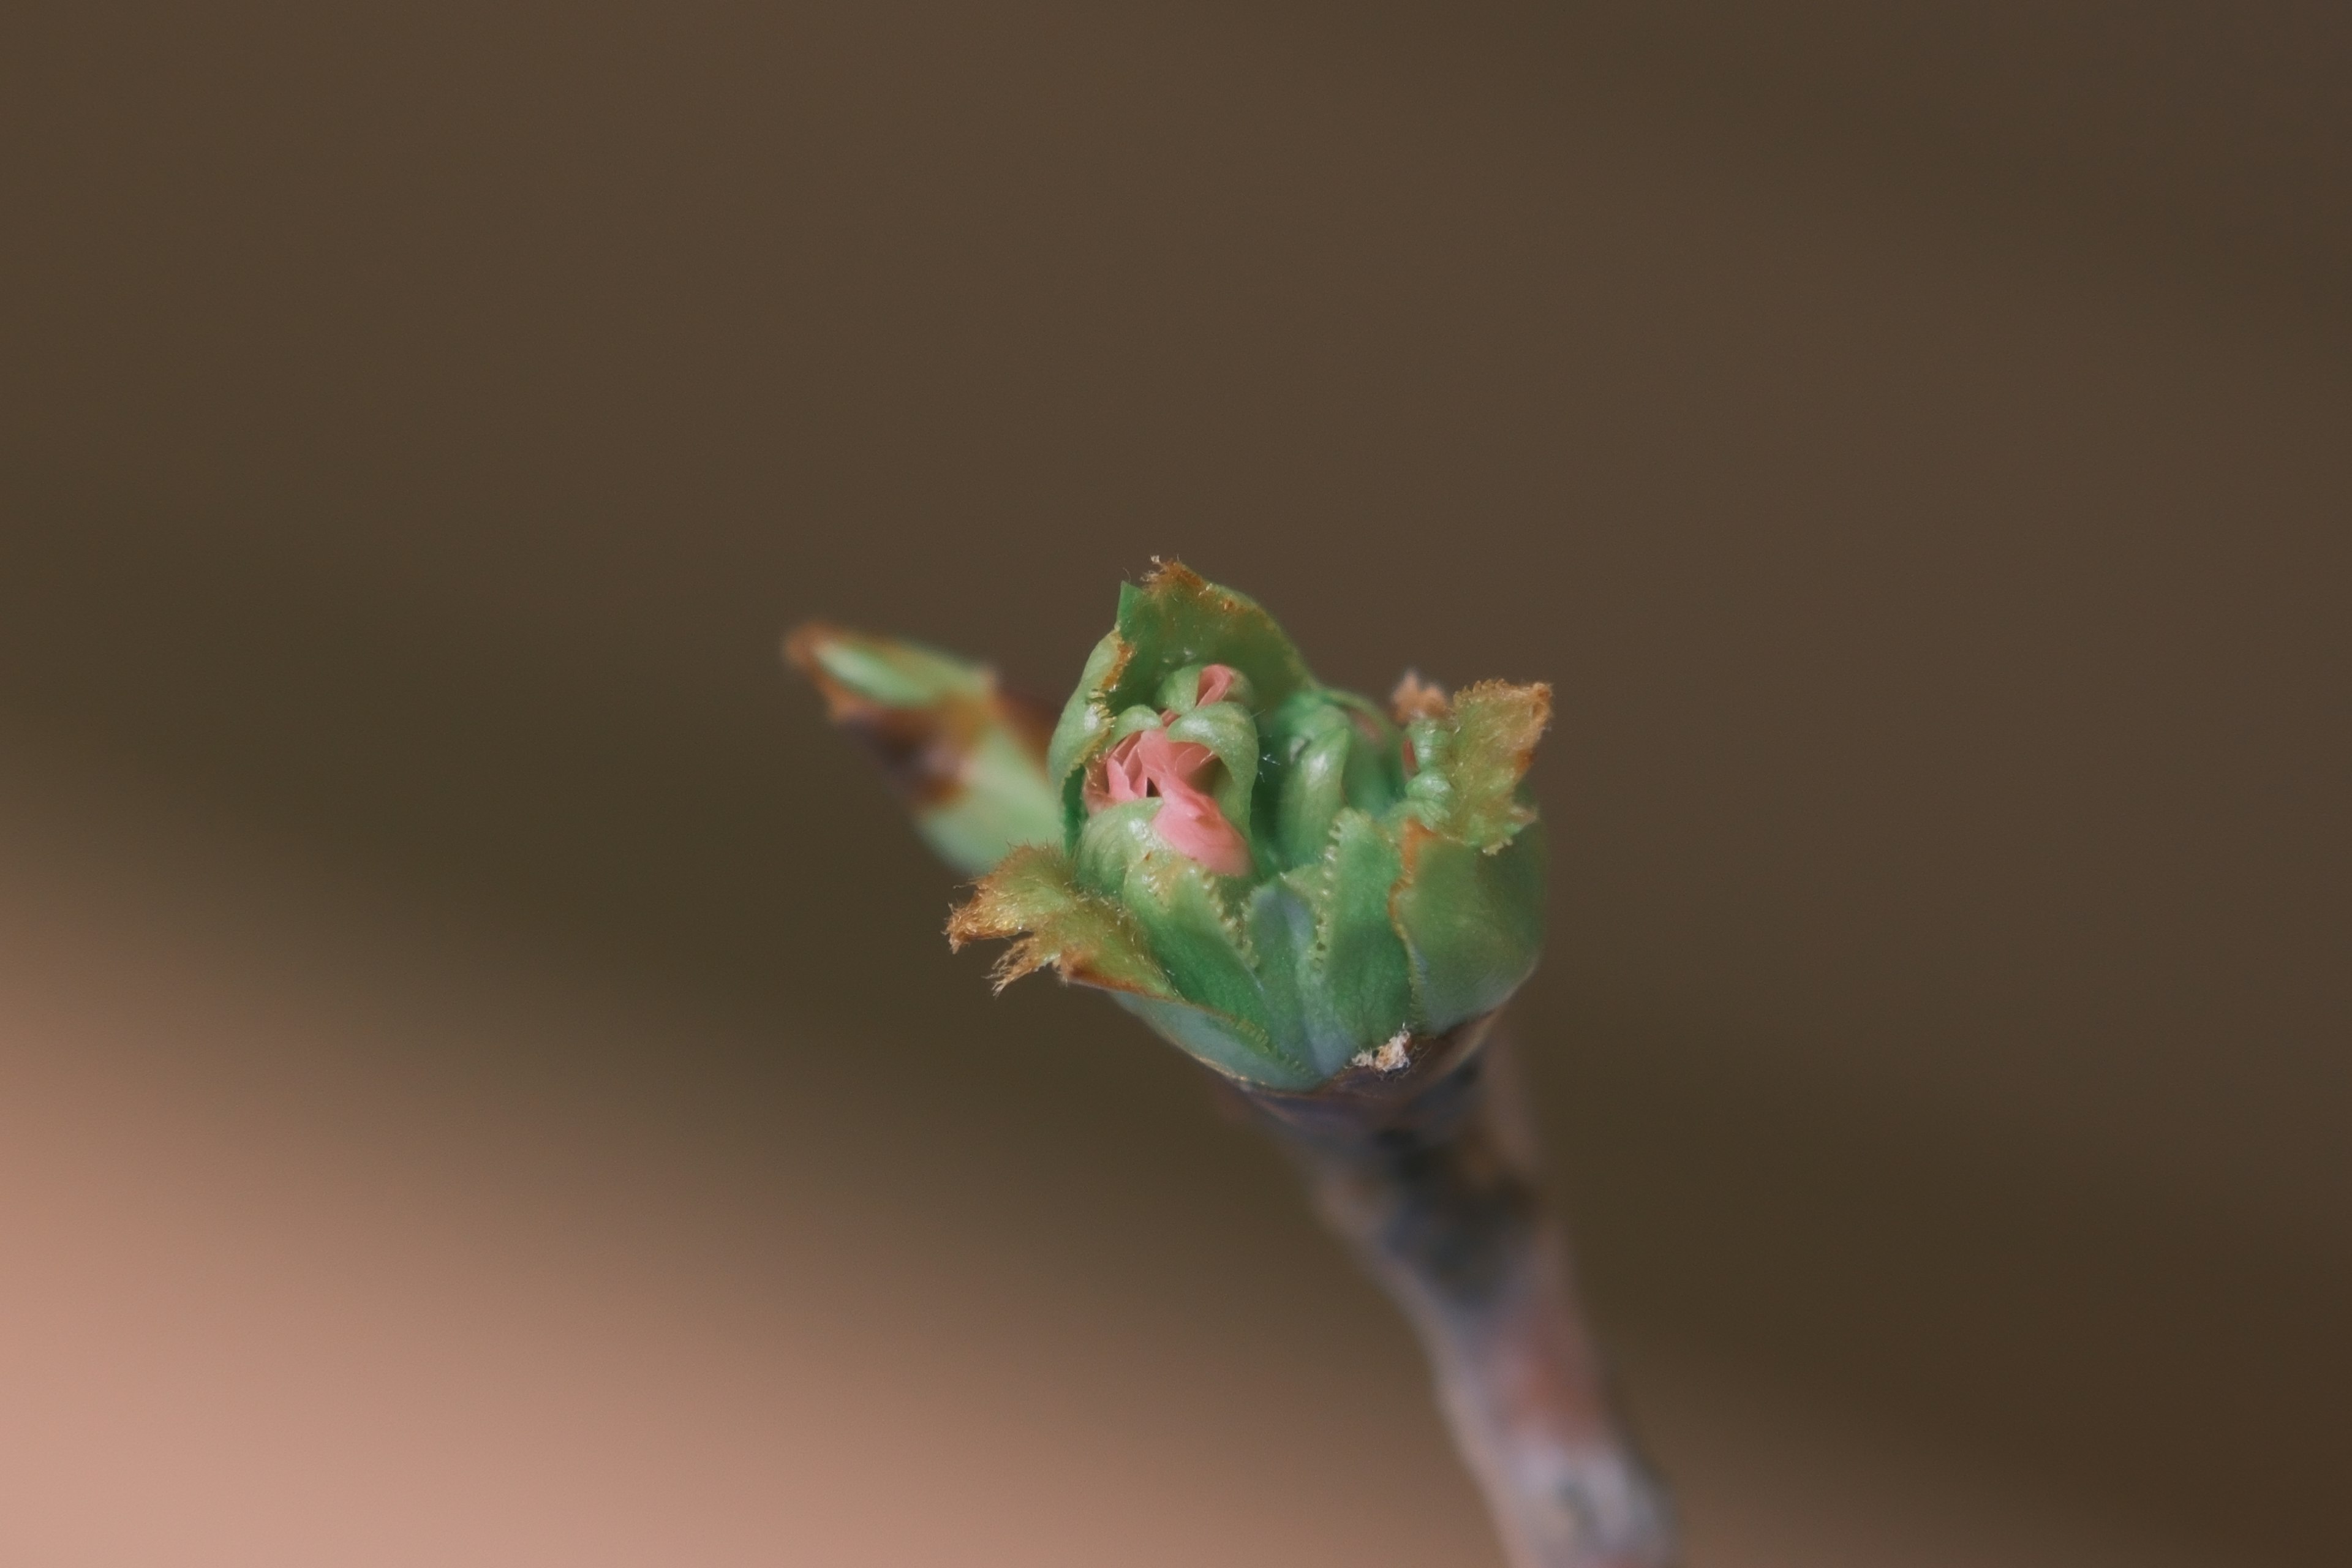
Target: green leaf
pixel 1219 1042
pixel 1281 930
pixel 1472 757
pixel 1111 844
pixel 1086 718
pixel 1141 716
pixel 965 761
pixel 1033 901
pixel 1173 618
pixel 891 670
pixel 1473 919
pixel 1360 961
pixel 1003 803
pixel 1197 940
pixel 1375 759
pixel 1314 789
pixel 1227 729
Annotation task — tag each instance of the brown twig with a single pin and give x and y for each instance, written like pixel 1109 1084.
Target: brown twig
pixel 1428 1174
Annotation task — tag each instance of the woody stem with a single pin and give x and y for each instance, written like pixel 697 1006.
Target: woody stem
pixel 1437 1198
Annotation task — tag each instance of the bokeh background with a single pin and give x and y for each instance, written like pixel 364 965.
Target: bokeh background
pixel 480 1081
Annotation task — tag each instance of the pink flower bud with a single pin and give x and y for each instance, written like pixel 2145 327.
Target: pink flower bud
pixel 1216 680
pixel 1193 827
pixel 1117 776
pixel 1148 763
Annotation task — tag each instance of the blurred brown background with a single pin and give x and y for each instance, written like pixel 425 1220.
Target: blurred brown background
pixel 479 1079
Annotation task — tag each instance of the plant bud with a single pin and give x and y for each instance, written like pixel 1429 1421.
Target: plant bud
pixel 1273 873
